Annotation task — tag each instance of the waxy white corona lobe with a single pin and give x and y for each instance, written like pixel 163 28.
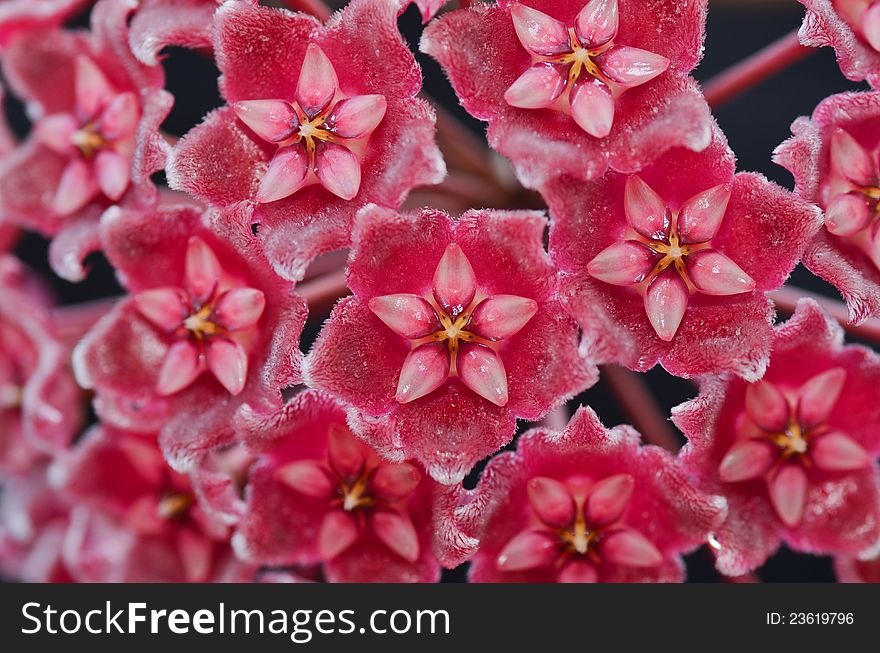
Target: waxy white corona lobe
pixel 454 332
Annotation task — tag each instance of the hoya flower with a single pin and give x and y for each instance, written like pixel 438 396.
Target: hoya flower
pixel 322 119
pixel 40 404
pixel 584 505
pixel 18 16
pixel 794 453
pixel 454 330
pixel 161 533
pixel 95 141
pixel 665 265
pixel 572 87
pixel 318 495
pixel 208 326
pixel 832 156
pixel 157 24
pixel 852 28
pixel 849 569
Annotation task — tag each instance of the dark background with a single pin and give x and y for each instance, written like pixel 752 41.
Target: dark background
pixel 755 123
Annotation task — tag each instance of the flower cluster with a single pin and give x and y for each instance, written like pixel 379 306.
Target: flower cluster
pixel 237 430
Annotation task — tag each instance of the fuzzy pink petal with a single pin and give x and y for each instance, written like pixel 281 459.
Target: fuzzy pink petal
pixel 767 406
pixel 788 493
pixel 338 531
pixel 551 501
pixel 666 300
pixel 76 188
pixel 410 316
pixel 203 269
pixel 631 66
pixel 345 452
pixel 631 549
pixel 700 217
pixel 357 116
pixel 317 82
pixel 539 33
pixel 161 23
pixel 393 482
pixel 307 477
pixel 454 282
pixel 578 571
pixel 272 120
pixel 847 213
pixel 113 173
pixel 837 451
pixel 501 316
pixel 746 460
pixel 228 362
pixel 608 499
pixel 338 170
pixel 56 132
pixel 164 307
pixel 424 370
pixel 240 308
pixel 527 550
pixel 120 118
pixel 592 107
pixel 817 397
pixel 398 534
pixel 482 370
pixel 645 210
pixel 596 23
pixel 623 264
pixel 179 369
pixel 713 273
pixel 539 86
pixel 287 173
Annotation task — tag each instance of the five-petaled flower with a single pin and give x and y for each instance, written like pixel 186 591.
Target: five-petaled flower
pixel 583 505
pixel 832 158
pixel 671 265
pixel 317 495
pixel 794 453
pixel 573 87
pixel 579 69
pixel 475 296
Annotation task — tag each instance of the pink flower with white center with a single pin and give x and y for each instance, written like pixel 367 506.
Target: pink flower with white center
pixel 584 505
pixel 671 266
pixel 318 134
pixel 795 453
pixel 573 87
pixel 852 28
pixel 579 69
pixel 121 485
pixel 40 405
pixel 455 329
pixel 323 119
pixel 317 495
pixel 211 318
pixel 832 156
pixel 203 298
pixel 96 112
pixel 669 254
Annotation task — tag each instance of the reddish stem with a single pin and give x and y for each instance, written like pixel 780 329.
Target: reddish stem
pixel 754 69
pixel 316 8
pixel 639 404
pixel 556 419
pixel 322 292
pixel 787 297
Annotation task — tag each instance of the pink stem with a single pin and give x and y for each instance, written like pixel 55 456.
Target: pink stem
pixel 317 8
pixel 754 69
pixel 556 419
pixel 786 299
pixel 322 292
pixel 639 404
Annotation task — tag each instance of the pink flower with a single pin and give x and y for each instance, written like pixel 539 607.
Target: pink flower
pixel 794 453
pixel 832 157
pixel 209 326
pixel 584 505
pixel 157 24
pixel 18 16
pixel 852 28
pixel 664 266
pixel 120 483
pixel 849 569
pixel 571 87
pixel 323 119
pixel 317 495
pixel 454 331
pixel 40 406
pixel 95 140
